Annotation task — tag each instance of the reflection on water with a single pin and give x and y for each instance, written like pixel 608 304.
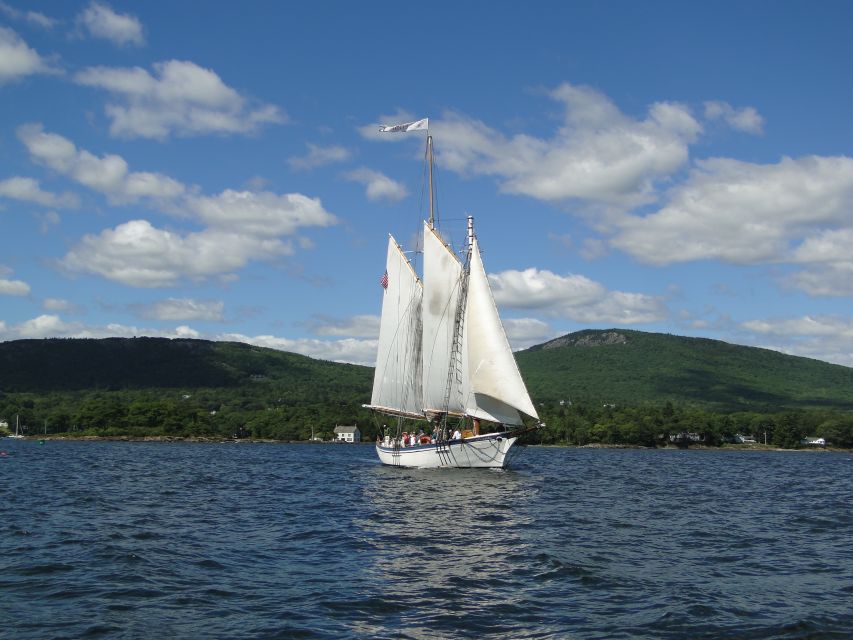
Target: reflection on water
pixel 445 542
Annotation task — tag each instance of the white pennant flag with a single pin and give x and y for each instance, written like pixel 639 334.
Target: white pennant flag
pixel 418 125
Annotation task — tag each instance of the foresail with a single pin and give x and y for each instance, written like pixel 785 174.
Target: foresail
pixel 442 280
pixel 496 386
pixel 397 380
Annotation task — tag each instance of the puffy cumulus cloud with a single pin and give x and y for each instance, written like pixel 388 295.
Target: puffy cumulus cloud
pixel 379 186
pixel 260 213
pixel 598 154
pixel 140 255
pixel 107 174
pixel 827 338
pixel 41 327
pixel 574 297
pixel 535 289
pixel 826 246
pixel 183 309
pixel 319 156
pixel 29 190
pixel 53 326
pixel 363 326
pixel 745 119
pixel 828 264
pixel 348 350
pixel 181 99
pixel 743 212
pixel 99 20
pixel 526 332
pixel 18 60
pixel 13 287
pixel 252 212
pixel 240 225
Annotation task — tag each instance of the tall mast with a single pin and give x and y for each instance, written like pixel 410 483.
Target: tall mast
pixel 431 194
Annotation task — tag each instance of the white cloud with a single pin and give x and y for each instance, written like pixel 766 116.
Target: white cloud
pixel 348 350
pixel 17 60
pixel 180 99
pixel 121 29
pixel 14 287
pixel 526 332
pixel 364 326
pixel 835 280
pixel 319 156
pixel 140 255
pixel 53 326
pixel 240 225
pixel 744 119
pixel 184 309
pixel 379 186
pixel 598 154
pixel 29 190
pixel 59 304
pixel 32 17
pixel 827 338
pixel 107 174
pixel 260 213
pixel 575 297
pixel 742 212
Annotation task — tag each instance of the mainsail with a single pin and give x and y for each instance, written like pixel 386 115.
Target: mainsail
pixel 443 277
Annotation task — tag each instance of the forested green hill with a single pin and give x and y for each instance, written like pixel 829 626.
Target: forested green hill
pixel 141 363
pixel 636 368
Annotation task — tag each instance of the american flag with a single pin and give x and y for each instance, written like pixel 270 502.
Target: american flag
pixel 384 280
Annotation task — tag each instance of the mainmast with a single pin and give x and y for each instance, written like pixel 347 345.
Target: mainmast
pixel 431 190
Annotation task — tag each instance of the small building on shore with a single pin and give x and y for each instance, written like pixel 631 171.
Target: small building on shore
pixel 347 434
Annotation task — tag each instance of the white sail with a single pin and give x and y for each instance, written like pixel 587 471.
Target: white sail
pixel 442 280
pixel 496 389
pixel 397 380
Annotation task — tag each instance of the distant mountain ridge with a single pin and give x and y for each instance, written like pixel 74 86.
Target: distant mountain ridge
pixel 627 367
pixel 60 364
pixel 613 366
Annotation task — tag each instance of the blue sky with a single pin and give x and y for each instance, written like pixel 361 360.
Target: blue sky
pixel 215 170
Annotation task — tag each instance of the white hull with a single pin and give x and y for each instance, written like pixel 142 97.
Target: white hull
pixel 486 451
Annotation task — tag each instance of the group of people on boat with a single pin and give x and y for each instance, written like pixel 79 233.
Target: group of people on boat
pixel 419 438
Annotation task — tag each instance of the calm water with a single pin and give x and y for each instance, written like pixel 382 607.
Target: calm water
pixel 145 540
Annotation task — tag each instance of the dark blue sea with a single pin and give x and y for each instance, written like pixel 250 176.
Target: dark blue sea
pixel 159 540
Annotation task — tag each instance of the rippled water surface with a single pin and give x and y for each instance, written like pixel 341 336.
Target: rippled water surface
pixel 151 540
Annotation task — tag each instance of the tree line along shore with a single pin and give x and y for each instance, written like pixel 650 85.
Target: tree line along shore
pixel 226 414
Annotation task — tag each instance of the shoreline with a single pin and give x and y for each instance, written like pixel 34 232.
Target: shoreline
pixel 215 440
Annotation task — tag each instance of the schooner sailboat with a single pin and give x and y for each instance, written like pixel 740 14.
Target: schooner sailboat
pixel 444 365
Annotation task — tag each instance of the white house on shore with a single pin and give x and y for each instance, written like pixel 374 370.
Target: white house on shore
pixel 347 434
